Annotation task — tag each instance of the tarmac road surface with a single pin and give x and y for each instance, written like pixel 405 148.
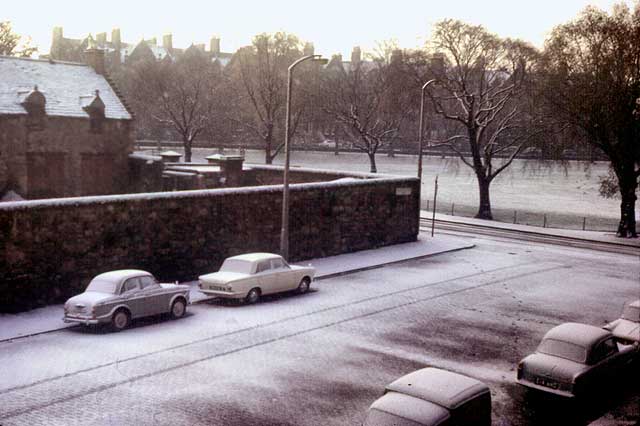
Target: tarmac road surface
pixel 323 357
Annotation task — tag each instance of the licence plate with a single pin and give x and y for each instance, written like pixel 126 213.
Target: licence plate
pixel 546 383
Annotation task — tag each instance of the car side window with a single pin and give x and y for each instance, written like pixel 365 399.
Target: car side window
pixel 148 283
pixel 263 266
pixel 130 285
pixel 604 349
pixel 277 264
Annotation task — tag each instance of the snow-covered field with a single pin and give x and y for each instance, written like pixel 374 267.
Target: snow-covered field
pixel 564 192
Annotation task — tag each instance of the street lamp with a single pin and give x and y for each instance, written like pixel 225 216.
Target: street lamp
pixel 284 231
pixel 424 87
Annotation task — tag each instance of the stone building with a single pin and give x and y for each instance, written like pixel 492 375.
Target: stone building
pixel 118 52
pixel 64 129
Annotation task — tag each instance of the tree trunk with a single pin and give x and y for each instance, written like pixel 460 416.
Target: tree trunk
pixel 268 140
pixel 372 161
pixel 187 150
pixel 484 209
pixel 627 183
pixel 391 150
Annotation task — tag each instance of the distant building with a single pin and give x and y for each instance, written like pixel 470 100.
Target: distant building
pixel 118 52
pixel 64 129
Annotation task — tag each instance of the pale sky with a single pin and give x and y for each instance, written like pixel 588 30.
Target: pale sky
pixel 334 26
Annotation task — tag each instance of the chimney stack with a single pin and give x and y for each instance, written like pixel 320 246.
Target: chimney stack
pixel 356 55
pixel 437 63
pixel 94 57
pixel 115 38
pixel 56 42
pixel 308 49
pixel 215 45
pixel 57 34
pixel 101 39
pixel 167 41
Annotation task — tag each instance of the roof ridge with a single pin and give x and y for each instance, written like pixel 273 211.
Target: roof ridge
pixel 47 61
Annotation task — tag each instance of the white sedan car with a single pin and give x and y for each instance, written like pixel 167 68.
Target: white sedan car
pixel 626 329
pixel 249 276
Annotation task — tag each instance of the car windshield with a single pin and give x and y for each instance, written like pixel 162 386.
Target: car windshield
pixel 102 286
pixel 562 349
pixel 236 265
pixel 631 313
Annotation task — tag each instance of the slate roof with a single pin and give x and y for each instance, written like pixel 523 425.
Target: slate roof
pixel 65 85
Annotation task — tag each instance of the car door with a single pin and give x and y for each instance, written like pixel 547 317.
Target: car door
pixel 606 362
pixel 265 277
pixel 155 297
pixel 131 297
pixel 283 276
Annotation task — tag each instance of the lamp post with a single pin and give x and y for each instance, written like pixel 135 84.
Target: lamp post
pixel 420 143
pixel 284 231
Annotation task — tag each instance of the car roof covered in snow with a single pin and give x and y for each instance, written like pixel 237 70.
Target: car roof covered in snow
pixel 254 257
pixel 408 407
pixel 584 335
pixel 442 387
pixel 120 274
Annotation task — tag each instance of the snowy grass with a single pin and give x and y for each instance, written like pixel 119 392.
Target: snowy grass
pixel 566 193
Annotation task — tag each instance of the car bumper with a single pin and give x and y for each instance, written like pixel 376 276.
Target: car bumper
pixel 223 294
pixel 87 320
pixel 562 393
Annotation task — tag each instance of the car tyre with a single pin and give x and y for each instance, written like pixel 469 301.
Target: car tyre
pixel 253 296
pixel 178 308
pixel 120 320
pixel 304 285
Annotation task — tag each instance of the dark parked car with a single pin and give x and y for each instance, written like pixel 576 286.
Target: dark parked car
pixel 574 360
pixel 432 397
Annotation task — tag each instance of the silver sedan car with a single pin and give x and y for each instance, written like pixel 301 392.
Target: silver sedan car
pixel 117 297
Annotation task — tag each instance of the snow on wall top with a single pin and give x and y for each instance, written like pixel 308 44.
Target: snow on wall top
pixel 201 193
pixel 65 86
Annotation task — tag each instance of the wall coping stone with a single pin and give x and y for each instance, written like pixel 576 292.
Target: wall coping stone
pixel 364 179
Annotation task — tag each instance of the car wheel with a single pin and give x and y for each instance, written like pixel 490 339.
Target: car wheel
pixel 304 285
pixel 178 309
pixel 253 296
pixel 120 320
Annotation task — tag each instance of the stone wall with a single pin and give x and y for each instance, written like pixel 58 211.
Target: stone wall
pixel 63 157
pixel 49 249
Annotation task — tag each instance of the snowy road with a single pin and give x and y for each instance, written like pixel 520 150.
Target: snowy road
pixel 321 358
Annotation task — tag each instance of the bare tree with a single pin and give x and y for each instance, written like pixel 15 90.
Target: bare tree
pixel 9 42
pixel 369 99
pixel 481 87
pixel 180 95
pixel 259 73
pixel 592 83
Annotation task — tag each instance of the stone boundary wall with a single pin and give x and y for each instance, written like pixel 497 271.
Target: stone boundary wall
pixel 49 249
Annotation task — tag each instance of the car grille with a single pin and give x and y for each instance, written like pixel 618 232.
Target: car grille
pixel 78 310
